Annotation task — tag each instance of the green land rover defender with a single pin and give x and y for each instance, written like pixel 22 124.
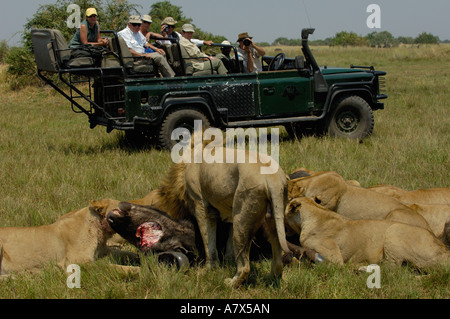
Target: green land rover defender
pixel 120 92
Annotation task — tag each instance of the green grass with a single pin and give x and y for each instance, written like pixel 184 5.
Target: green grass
pixel 52 163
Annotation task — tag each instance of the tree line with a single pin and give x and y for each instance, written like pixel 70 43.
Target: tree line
pixel 114 14
pixel 373 39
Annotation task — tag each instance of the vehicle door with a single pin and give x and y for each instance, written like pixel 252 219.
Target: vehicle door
pixel 284 92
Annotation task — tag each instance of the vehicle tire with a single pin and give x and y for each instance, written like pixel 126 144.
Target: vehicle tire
pixel 180 118
pixel 351 117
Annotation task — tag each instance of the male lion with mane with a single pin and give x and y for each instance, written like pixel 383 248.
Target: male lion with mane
pixel 239 194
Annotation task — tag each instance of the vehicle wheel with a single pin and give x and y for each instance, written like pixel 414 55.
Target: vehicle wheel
pixel 351 117
pixel 180 118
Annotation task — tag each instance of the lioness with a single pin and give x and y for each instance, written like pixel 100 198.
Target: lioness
pixel 437 217
pixel 237 193
pixel 341 240
pixel 76 237
pixel 426 196
pixel 331 191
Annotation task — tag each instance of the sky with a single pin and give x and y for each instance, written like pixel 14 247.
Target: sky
pixel 267 20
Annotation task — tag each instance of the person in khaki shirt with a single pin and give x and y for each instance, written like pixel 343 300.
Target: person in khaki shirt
pixel 193 51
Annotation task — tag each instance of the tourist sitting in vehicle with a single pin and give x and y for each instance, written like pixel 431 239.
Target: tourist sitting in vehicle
pixel 168 31
pixel 137 42
pixel 251 53
pixel 227 59
pixel 146 22
pixel 88 32
pixel 200 61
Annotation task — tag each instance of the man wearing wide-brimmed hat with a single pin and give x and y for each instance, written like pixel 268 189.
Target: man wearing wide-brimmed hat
pixel 137 42
pixel 251 53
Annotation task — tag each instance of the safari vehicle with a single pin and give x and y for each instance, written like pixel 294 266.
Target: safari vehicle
pixel 124 94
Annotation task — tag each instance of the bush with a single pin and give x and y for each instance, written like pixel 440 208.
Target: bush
pixel 3 50
pixel 21 67
pixel 426 38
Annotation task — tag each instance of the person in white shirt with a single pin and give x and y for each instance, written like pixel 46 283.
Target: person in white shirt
pixel 137 42
pixel 251 54
pixel 204 62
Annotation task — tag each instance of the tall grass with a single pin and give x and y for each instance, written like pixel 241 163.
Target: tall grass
pixel 52 163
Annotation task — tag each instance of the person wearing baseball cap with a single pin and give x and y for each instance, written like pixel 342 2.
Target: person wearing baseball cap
pixel 88 32
pixel 251 53
pixel 146 22
pixel 202 62
pixel 137 43
pixel 168 31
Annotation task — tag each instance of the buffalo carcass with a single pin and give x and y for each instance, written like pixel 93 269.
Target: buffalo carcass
pixel 153 231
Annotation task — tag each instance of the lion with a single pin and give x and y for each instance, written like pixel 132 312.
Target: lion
pixel 342 240
pixel 426 196
pixel 437 217
pixel 237 193
pixel 77 237
pixel 330 190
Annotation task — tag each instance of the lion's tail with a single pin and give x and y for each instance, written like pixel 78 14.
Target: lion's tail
pixel 279 200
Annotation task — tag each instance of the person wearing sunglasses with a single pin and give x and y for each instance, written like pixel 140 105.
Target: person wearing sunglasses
pixel 137 43
pixel 88 32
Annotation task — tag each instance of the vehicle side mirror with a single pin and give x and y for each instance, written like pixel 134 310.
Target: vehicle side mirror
pixel 299 62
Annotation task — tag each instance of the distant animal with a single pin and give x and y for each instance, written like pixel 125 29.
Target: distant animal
pixel 331 191
pixel 342 240
pixel 77 237
pixel 236 193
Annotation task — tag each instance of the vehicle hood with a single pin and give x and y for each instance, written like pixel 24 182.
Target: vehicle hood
pixel 335 70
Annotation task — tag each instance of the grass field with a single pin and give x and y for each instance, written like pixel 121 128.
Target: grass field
pixel 52 163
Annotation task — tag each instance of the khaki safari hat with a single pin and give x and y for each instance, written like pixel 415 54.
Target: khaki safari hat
pixel 91 11
pixel 169 21
pixel 243 36
pixel 146 18
pixel 188 28
pixel 134 19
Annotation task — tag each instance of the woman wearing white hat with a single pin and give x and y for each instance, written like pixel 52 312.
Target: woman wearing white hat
pixel 89 31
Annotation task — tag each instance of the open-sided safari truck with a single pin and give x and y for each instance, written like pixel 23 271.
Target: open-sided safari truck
pixel 120 92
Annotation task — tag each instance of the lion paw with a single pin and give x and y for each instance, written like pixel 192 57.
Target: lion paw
pixel 232 282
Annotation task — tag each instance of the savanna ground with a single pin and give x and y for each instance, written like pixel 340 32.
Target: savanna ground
pixel 52 163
